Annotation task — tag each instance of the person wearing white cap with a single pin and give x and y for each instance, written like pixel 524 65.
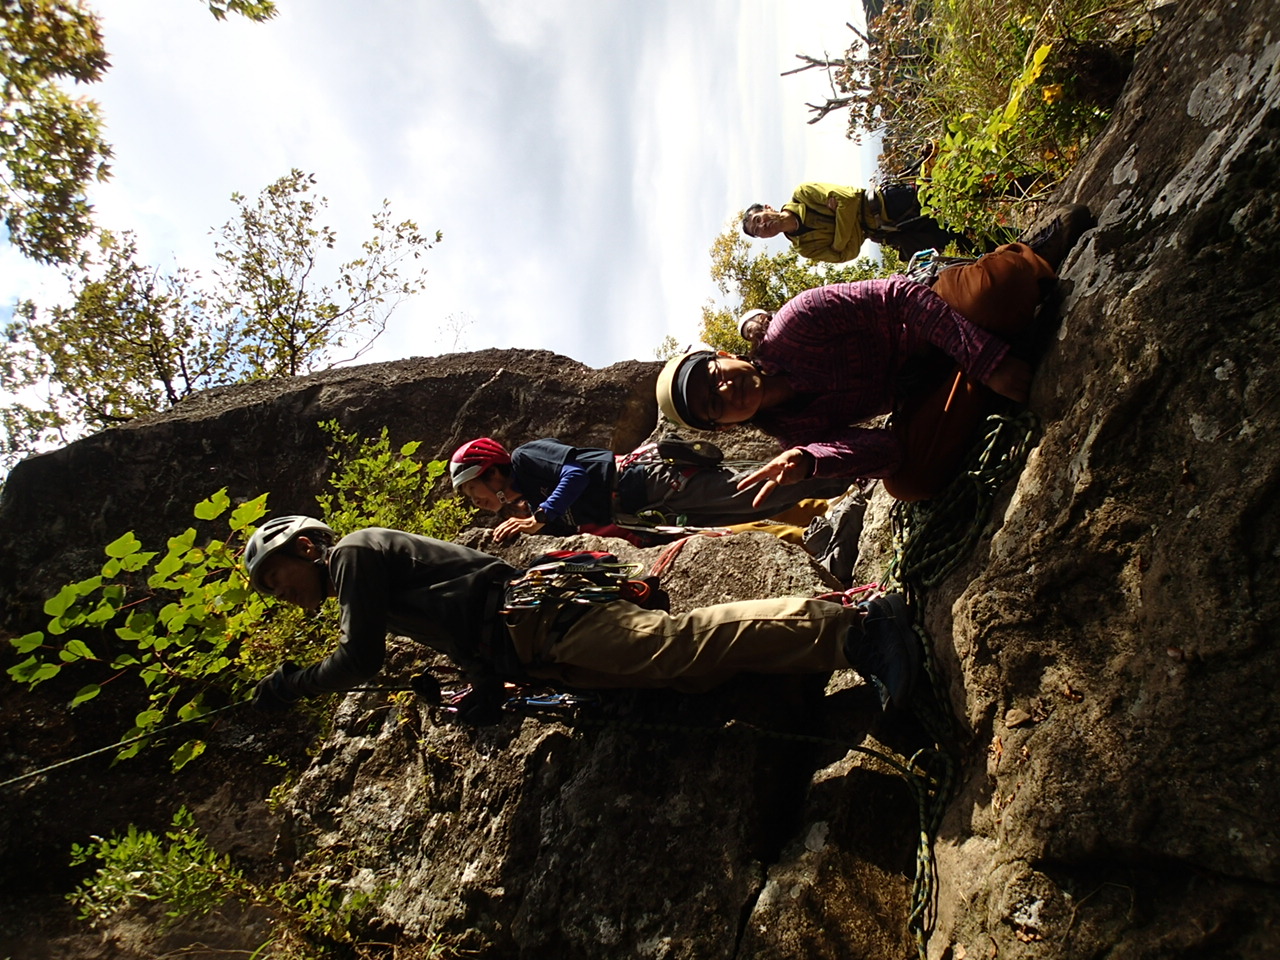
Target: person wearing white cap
pixel 753 325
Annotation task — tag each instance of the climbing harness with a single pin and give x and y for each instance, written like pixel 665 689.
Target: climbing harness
pixel 575 578
pixel 684 458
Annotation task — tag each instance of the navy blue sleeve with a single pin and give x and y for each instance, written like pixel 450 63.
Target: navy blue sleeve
pixel 573 481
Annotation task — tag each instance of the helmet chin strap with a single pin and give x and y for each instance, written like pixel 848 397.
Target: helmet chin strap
pixel 322 562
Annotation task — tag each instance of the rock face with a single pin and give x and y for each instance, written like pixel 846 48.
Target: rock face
pixel 1107 647
pixel 1127 606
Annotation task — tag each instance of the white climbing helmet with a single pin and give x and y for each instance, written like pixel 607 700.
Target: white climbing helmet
pixel 271 536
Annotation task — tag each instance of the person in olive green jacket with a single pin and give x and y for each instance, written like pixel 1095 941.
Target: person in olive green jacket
pixel 828 222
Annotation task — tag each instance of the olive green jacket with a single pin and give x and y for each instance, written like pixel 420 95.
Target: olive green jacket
pixel 832 236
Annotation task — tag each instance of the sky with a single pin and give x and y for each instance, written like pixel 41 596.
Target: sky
pixel 579 156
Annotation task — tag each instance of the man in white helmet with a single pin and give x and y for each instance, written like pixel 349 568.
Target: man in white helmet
pixel 453 599
pixel 753 325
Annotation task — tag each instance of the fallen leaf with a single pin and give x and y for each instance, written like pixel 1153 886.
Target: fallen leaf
pixel 1016 717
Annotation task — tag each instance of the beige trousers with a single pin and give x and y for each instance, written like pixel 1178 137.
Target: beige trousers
pixel 621 645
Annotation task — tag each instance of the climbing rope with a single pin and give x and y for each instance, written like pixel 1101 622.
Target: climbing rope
pixel 930 540
pixel 931 537
pixel 117 746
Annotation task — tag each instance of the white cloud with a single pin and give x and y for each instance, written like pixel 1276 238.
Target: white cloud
pixel 579 155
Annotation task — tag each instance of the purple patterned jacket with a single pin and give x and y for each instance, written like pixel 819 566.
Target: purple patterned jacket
pixel 841 348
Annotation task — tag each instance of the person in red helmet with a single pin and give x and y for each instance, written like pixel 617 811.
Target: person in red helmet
pixel 558 490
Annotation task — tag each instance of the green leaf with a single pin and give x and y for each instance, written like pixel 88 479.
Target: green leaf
pixel 235 594
pixel 103 612
pixel 183 542
pixel 170 565
pixel 132 749
pixel 187 752
pixel 123 546
pixel 248 513
pixel 147 719
pixel 86 587
pixel 21 672
pixel 29 642
pixel 60 602
pixel 213 507
pixel 74 650
pixel 44 672
pixel 137 561
pixel 217 665
pixel 124 660
pixel 87 692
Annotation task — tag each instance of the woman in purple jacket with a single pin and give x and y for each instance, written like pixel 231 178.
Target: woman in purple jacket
pixel 840 355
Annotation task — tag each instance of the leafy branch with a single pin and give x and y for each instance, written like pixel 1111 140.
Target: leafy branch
pixel 185 621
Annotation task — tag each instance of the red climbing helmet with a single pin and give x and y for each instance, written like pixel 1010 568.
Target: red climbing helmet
pixel 474 458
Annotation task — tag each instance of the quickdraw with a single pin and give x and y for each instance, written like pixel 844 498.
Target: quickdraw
pixel 562 582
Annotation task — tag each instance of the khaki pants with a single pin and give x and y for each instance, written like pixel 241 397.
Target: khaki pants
pixel 998 292
pixel 621 645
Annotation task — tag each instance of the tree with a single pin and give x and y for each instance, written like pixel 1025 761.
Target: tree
pixel 133 341
pixel 766 281
pixel 269 253
pixel 136 340
pixel 51 144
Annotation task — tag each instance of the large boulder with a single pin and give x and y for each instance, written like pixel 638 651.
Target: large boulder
pixel 1110 645
pixel 57 510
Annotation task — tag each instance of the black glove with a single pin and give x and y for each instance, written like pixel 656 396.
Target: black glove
pixel 427 687
pixel 481 706
pixel 279 691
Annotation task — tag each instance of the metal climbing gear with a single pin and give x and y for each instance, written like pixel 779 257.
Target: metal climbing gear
pixel 578 578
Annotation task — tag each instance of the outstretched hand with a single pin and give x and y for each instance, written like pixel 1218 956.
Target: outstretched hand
pixel 278 691
pixel 512 527
pixel 1011 378
pixel 790 466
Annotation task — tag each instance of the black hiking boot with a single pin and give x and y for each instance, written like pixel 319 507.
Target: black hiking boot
pixel 885 650
pixel 1056 236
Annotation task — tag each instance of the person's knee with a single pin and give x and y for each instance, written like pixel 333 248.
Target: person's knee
pixel 913 487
